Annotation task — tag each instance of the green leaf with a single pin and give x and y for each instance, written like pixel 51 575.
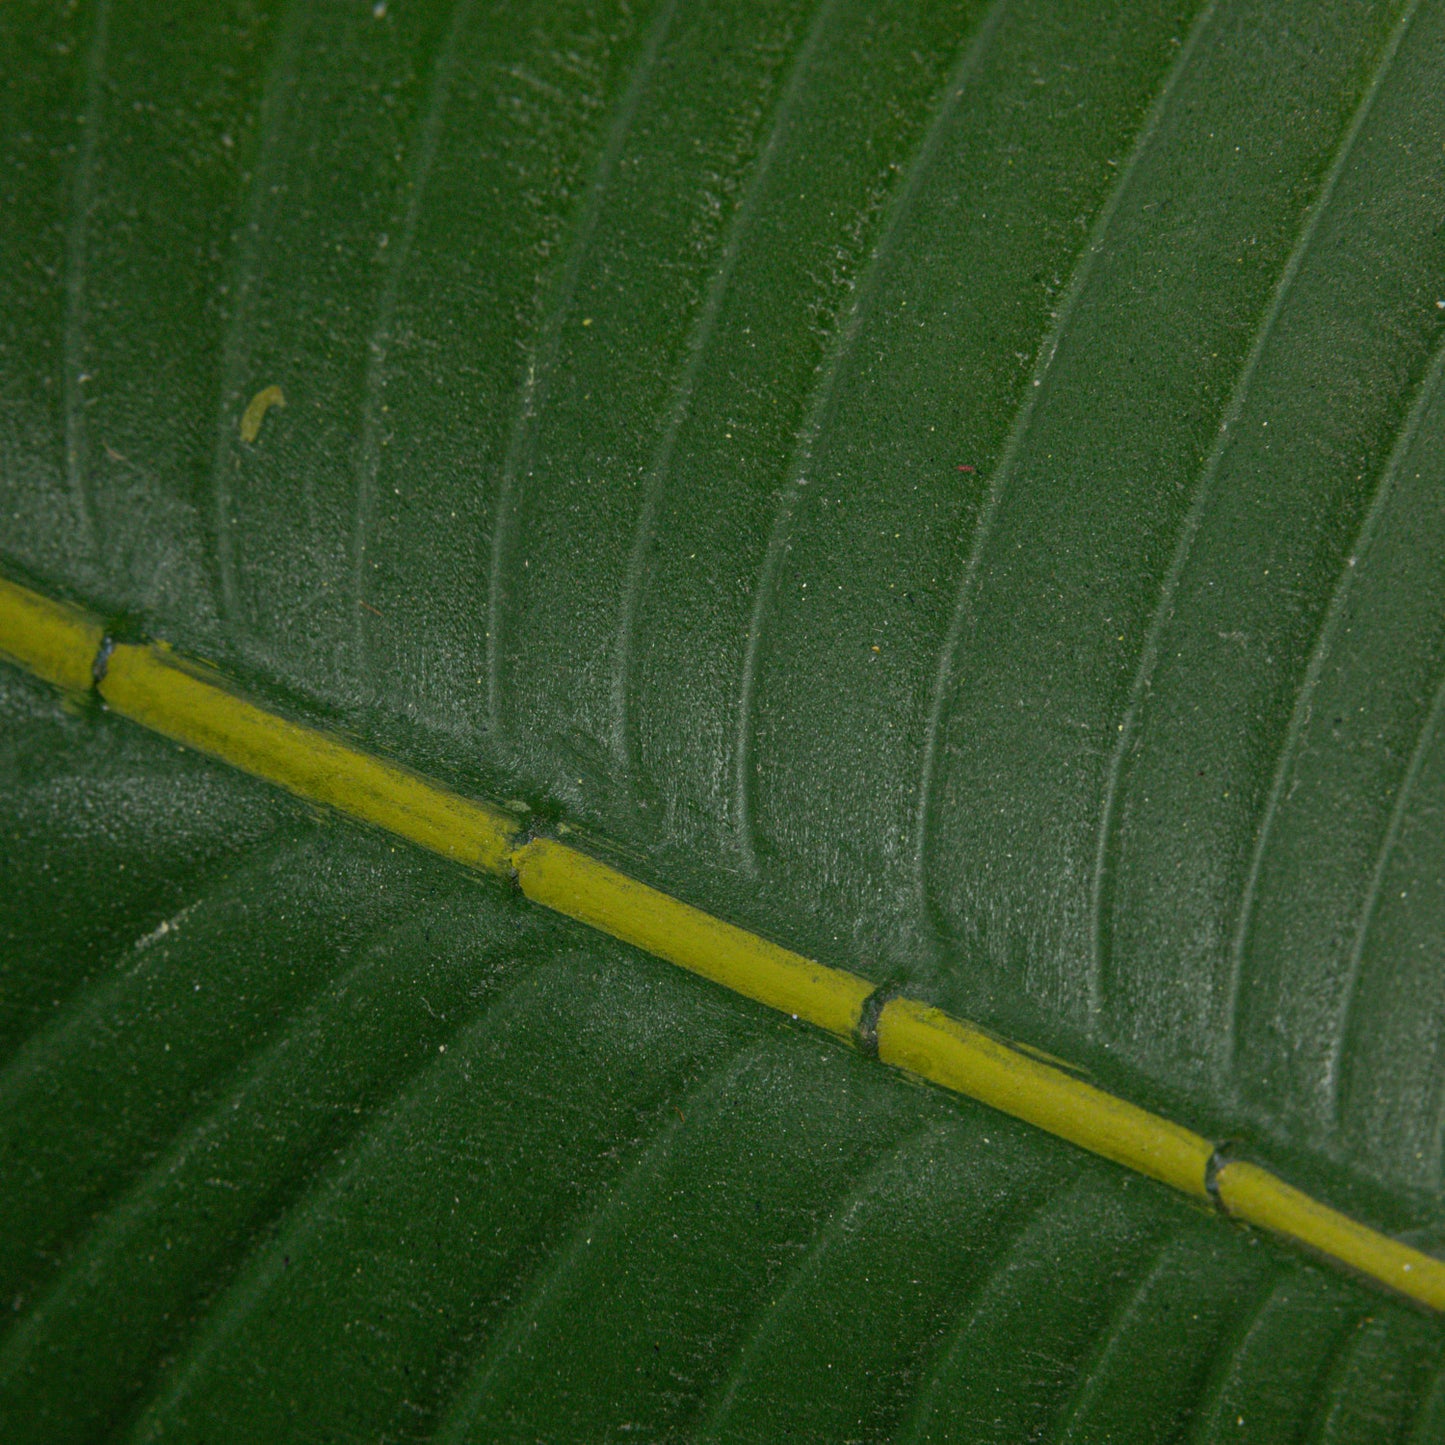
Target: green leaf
pixel 954 488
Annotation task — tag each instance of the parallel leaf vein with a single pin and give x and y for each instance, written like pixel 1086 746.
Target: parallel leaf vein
pixel 695 352
pixel 249 1286
pixel 77 237
pixel 1332 621
pixel 502 1345
pixel 542 355
pixel 1094 1369
pixel 807 1265
pixel 1354 968
pixel 826 379
pixel 1022 1241
pixel 1202 493
pixel 1077 283
pixel 368 451
pixel 262 203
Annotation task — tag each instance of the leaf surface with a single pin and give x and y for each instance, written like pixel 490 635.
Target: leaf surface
pixel 954 488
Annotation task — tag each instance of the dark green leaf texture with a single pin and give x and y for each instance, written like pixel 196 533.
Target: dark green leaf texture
pixel 958 488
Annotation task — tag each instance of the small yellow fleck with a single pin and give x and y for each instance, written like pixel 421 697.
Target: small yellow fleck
pixel 256 410
pixel 587 321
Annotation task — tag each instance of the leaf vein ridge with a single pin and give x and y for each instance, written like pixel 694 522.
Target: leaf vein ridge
pixel 1055 1207
pixel 823 1240
pixel 1304 697
pixel 1083 1395
pixel 367 460
pixel 542 355
pixel 1223 1374
pixel 248 1288
pixel 77 236
pixel 616 1195
pixel 246 262
pixel 843 341
pixel 1429 729
pixel 1202 493
pixel 699 338
pixel 1077 283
